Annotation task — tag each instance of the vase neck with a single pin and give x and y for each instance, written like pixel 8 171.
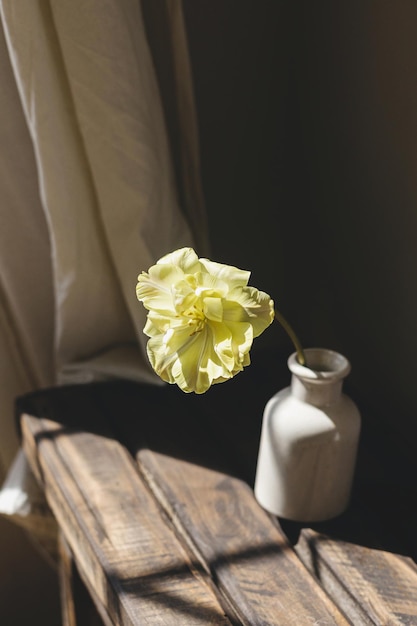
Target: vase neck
pixel 317 393
pixel 320 380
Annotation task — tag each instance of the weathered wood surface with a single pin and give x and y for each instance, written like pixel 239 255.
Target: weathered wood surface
pixel 134 567
pixel 66 583
pixel 143 561
pixel 77 606
pixel 371 586
pixel 248 556
pixel 191 454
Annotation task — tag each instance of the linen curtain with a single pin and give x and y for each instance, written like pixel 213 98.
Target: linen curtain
pixel 89 192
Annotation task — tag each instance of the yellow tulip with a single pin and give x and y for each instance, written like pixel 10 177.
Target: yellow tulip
pixel 202 319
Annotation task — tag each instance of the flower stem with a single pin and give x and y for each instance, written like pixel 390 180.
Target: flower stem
pixel 288 329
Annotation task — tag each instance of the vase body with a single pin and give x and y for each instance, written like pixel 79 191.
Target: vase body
pixel 309 441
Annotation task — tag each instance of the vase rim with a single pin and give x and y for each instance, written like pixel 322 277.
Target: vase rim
pixel 321 365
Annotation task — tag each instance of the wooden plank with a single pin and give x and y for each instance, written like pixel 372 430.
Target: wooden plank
pixel 192 460
pixel 372 586
pixel 206 504
pixel 69 617
pixel 236 541
pixel 76 604
pixel 134 567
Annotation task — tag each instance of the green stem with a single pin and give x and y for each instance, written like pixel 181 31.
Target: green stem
pixel 288 329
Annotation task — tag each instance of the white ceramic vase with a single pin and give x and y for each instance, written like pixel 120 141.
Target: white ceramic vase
pixel 309 441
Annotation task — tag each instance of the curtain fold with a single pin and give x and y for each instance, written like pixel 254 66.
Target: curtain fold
pixel 26 298
pixel 89 192
pixel 106 181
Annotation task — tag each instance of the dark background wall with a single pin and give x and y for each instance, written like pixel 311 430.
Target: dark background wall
pixel 308 115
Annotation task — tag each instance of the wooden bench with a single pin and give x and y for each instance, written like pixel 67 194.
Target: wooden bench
pixel 152 493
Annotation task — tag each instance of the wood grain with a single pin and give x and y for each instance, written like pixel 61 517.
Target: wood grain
pixel 76 604
pixel 181 524
pixel 134 567
pixel 68 611
pixel 371 586
pixel 245 553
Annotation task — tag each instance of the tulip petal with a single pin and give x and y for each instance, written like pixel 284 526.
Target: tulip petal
pixel 184 258
pixel 154 289
pixel 213 309
pixel 250 305
pixel 232 276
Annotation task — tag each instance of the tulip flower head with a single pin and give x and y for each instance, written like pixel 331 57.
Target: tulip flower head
pixel 202 319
